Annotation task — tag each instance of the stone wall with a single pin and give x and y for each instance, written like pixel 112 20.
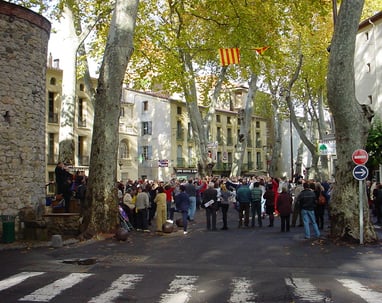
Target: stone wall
pixel 24 39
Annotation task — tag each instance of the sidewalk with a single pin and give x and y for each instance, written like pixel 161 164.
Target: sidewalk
pixel 198 225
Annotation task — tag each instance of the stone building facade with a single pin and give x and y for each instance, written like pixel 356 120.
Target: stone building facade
pixel 24 39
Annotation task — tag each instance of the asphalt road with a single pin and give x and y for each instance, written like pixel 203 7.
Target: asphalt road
pixel 237 265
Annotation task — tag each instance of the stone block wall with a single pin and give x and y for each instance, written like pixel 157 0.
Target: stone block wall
pixel 24 39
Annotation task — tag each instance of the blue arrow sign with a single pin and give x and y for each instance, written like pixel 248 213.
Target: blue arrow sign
pixel 360 172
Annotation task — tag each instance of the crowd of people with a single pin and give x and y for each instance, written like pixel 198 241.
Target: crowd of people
pixel 69 185
pixel 301 203
pixel 254 198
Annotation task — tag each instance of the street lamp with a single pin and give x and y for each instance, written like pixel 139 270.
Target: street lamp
pixel 291 144
pixel 120 163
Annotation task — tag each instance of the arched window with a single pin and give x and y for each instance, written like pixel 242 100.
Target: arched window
pixel 52 81
pixel 124 152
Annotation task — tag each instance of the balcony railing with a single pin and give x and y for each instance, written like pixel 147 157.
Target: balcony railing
pixel 81 122
pixel 180 162
pixel 222 166
pixel 179 135
pixel 192 162
pixel 53 118
pixel 83 160
pixel 52 159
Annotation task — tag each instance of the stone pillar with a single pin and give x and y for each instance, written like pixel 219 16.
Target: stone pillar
pixel 24 39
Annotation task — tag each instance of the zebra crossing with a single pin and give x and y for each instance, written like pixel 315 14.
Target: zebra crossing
pixel 180 289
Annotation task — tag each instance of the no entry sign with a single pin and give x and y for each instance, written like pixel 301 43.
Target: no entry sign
pixel 360 156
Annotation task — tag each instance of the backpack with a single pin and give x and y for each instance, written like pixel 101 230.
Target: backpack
pixel 321 199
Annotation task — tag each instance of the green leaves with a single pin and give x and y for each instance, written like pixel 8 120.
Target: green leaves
pixel 374 144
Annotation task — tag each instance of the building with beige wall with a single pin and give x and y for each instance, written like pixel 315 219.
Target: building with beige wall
pixel 155 136
pixel 83 126
pixel 166 147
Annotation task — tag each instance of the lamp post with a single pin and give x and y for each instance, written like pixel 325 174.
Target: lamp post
pixel 120 163
pixel 291 144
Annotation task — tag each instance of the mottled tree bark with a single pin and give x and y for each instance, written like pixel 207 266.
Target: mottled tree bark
pixel 100 213
pixel 352 125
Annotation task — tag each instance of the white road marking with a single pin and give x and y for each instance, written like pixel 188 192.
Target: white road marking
pixel 180 289
pixel 117 287
pixel 48 292
pixel 303 289
pixel 16 279
pixel 241 291
pixel 364 292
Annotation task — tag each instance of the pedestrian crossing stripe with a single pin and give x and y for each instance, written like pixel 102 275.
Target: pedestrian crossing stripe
pixel 17 279
pixel 364 292
pixel 117 287
pixel 181 288
pixel 303 288
pixel 241 291
pixel 48 292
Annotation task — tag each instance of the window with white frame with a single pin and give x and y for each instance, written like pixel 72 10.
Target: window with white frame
pixel 124 152
pixel 146 128
pixel 147 152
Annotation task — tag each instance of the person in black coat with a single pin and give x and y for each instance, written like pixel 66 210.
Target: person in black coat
pixel 308 201
pixel 210 194
pixel 182 204
pixel 63 183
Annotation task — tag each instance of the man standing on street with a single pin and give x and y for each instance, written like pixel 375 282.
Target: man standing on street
pixel 182 203
pixel 210 196
pixel 257 195
pixel 307 201
pixel 296 208
pixel 244 197
pixel 191 190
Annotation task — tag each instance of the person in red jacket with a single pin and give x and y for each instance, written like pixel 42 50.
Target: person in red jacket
pixel 168 189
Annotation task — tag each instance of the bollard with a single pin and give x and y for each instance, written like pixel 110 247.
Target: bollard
pixel 56 241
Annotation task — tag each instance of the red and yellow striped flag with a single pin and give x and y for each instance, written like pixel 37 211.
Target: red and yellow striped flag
pixel 229 56
pixel 261 50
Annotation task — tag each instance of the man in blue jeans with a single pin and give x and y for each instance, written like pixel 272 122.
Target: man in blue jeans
pixel 308 201
pixel 191 191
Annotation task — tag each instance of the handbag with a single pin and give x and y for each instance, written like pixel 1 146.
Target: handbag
pixel 209 203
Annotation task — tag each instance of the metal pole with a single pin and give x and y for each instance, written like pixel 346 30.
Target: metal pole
pixel 291 145
pixel 360 212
